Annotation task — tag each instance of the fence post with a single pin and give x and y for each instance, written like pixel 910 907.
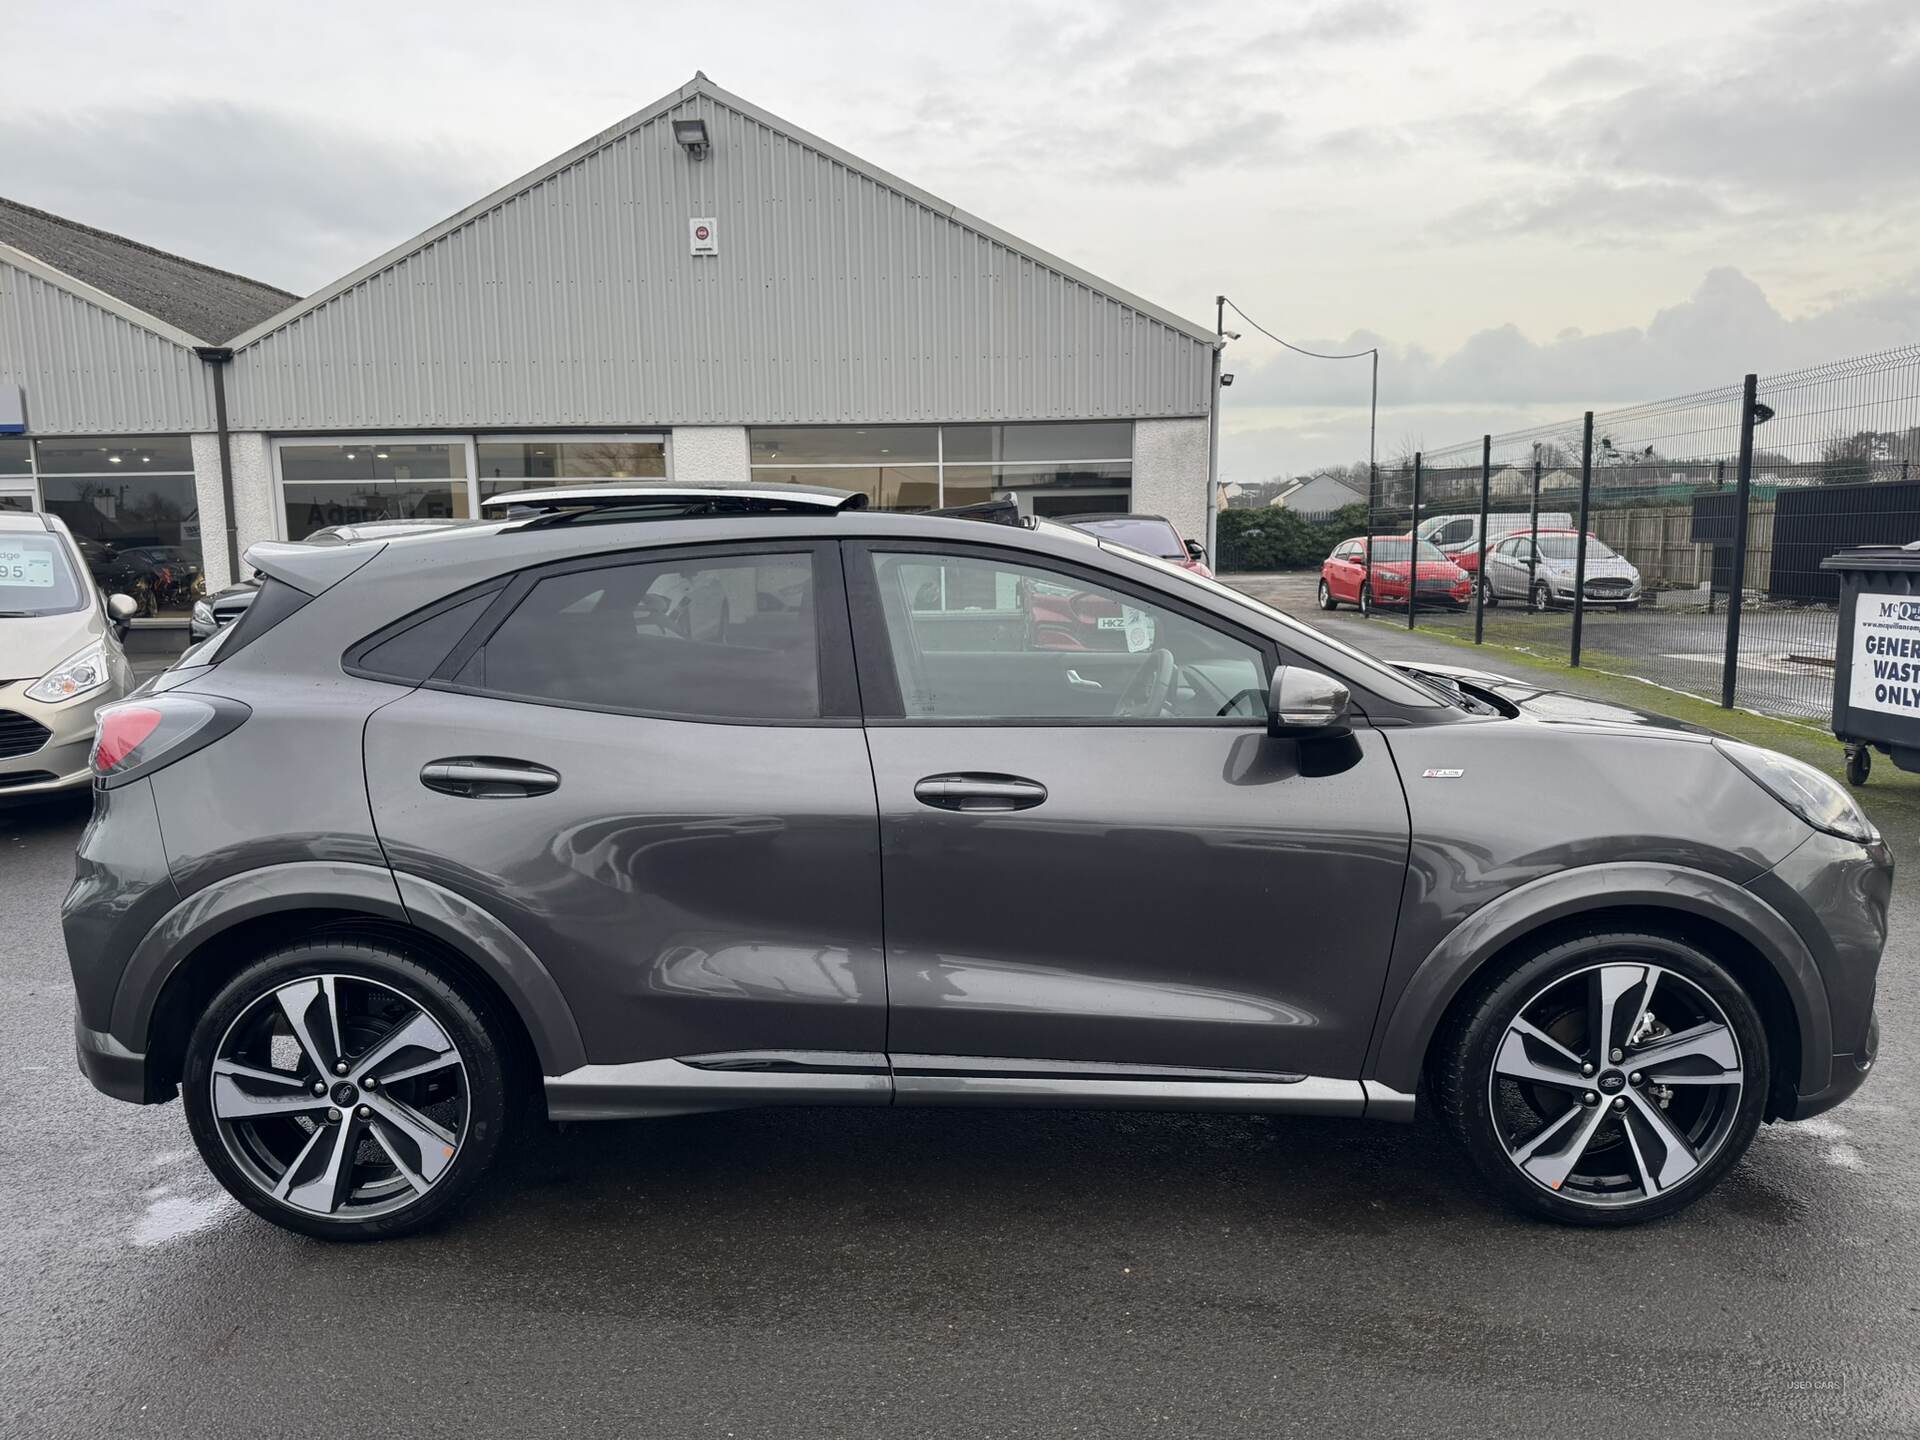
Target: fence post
pixel 1413 546
pixel 1719 479
pixel 1480 570
pixel 1580 543
pixel 1366 550
pixel 1742 491
pixel 1533 527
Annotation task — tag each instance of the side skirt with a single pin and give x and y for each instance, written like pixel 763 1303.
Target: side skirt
pixel 810 1077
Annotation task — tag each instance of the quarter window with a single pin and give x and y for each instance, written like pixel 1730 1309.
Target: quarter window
pixel 974 638
pixel 713 639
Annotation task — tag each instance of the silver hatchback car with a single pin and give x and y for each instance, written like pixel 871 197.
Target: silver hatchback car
pixel 60 657
pixel 1539 568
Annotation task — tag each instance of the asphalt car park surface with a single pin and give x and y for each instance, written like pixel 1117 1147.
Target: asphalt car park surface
pixel 944 1273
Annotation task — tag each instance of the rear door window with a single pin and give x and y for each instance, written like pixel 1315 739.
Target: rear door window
pixel 708 638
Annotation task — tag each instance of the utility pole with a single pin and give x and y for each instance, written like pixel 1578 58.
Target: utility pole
pixel 1213 432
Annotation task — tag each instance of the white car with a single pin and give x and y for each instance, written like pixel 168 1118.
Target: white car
pixel 1458 536
pixel 1539 570
pixel 60 657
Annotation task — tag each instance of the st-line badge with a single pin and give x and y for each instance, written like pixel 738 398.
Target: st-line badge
pixel 1441 774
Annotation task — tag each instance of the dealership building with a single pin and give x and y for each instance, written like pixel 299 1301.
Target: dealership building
pixel 701 292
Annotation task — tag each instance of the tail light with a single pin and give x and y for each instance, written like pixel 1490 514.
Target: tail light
pixel 137 737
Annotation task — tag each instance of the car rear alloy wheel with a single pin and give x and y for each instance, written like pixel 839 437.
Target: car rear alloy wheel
pixel 1327 602
pixel 1366 600
pixel 342 1101
pixel 1488 593
pixel 1611 1079
pixel 1542 597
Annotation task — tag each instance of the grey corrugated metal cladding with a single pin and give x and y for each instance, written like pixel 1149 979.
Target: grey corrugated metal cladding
pixel 86 371
pixel 834 298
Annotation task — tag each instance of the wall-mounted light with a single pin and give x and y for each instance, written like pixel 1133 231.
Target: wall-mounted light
pixel 113 459
pixel 692 137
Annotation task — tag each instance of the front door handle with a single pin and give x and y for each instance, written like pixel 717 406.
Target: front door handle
pixel 482 777
pixel 974 792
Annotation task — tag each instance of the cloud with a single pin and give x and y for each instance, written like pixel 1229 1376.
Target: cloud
pixel 1294 412
pixel 1817 106
pixel 286 200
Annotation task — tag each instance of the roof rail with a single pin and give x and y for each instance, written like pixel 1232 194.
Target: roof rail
pixel 1003 511
pixel 713 498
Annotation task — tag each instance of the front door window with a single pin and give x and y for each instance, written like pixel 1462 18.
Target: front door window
pixel 975 638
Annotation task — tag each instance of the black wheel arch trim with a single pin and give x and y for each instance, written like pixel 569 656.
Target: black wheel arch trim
pixel 452 921
pixel 1408 1022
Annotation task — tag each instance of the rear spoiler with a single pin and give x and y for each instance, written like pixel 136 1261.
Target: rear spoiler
pixel 310 569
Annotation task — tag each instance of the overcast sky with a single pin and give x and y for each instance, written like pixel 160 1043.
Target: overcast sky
pixel 1532 208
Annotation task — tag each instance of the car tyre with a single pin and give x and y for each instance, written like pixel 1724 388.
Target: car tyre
pixel 1542 597
pixel 1366 599
pixel 1327 602
pixel 1488 594
pixel 1475 1091
pixel 401 988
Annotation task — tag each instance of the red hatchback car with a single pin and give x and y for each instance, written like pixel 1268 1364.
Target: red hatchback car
pixel 1344 579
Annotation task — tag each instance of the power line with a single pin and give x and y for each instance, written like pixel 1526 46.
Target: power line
pixel 1299 349
pixel 1373 406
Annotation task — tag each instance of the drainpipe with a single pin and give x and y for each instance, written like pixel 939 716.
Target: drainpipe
pixel 217 356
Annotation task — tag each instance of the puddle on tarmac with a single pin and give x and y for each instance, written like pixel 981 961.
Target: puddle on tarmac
pixel 173 1217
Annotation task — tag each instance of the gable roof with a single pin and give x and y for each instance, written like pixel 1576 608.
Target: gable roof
pixel 204 304
pixel 701 87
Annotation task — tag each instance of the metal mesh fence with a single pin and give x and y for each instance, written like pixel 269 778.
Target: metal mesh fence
pixel 1618 543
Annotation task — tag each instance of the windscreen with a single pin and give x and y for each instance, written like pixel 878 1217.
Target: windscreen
pixel 1396 549
pixel 37 577
pixel 1156 537
pixel 1567 547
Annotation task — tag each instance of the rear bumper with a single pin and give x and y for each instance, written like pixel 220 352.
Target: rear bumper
pixel 111 1067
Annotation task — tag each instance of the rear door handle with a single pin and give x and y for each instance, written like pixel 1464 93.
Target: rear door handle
pixel 973 792
pixel 485 778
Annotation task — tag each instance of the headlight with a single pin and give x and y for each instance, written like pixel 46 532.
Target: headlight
pixel 72 677
pixel 202 613
pixel 1815 796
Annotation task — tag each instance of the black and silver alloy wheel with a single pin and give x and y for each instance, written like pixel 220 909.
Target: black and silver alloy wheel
pixel 343 1090
pixel 1616 1083
pixel 338 1095
pixel 1609 1078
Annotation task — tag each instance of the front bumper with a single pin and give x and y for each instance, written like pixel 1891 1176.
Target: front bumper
pixel 113 1069
pixel 60 762
pixel 1849 1074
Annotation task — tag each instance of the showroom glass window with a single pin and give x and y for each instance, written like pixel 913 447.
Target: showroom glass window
pixel 1062 468
pixel 355 482
pixel 510 463
pixel 974 638
pixel 131 505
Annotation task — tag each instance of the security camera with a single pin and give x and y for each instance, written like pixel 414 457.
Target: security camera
pixel 1227 379
pixel 1231 334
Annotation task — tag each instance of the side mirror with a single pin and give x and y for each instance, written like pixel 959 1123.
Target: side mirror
pixel 1196 551
pixel 121 609
pixel 1304 703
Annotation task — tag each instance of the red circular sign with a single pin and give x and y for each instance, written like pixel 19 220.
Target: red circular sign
pixel 700 232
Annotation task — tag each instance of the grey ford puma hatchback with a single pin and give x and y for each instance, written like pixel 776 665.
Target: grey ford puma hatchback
pixel 642 802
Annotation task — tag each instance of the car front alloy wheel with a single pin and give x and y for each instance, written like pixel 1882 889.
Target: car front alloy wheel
pixel 1611 1079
